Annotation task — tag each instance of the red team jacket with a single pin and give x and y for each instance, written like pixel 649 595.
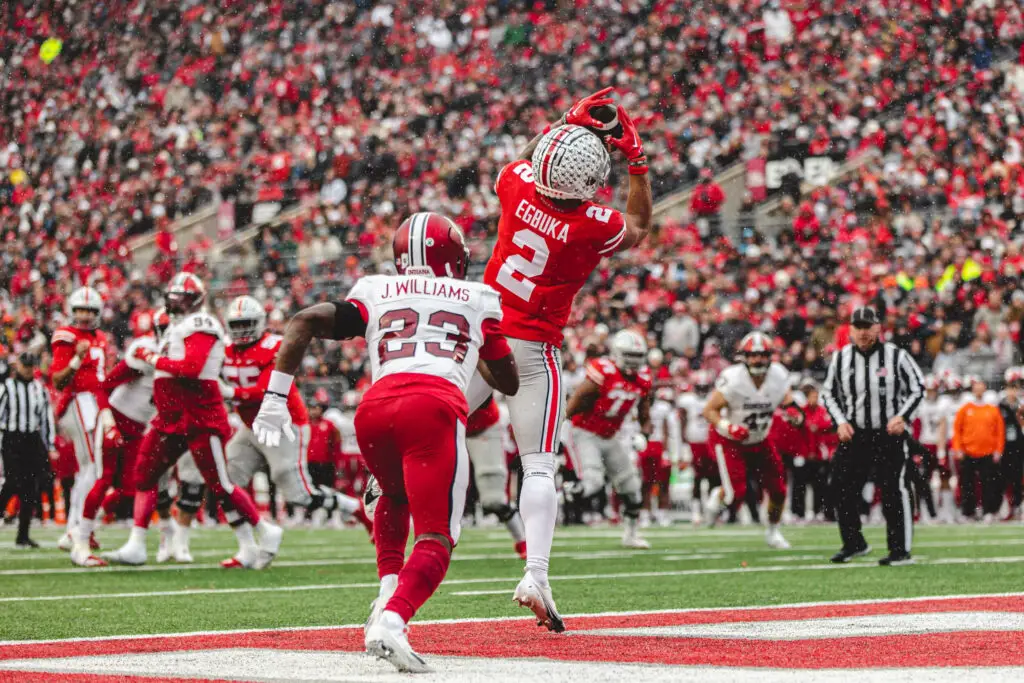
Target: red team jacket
pixel 248 369
pixel 619 394
pixel 89 377
pixel 324 442
pixel 543 256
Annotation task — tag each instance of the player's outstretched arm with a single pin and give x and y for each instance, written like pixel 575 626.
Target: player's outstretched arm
pixel 339 320
pixel 713 409
pixel 583 399
pixel 639 203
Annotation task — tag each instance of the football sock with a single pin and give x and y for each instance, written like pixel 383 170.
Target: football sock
pixel 419 578
pixel 390 534
pixel 137 536
pixel 145 503
pixel 242 502
pixel 85 529
pixel 515 527
pixel 246 540
pixel 538 505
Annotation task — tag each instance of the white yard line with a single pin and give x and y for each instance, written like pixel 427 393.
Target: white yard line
pixel 514 579
pixel 744 608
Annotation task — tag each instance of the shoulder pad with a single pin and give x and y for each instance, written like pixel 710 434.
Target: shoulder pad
pixel 63 336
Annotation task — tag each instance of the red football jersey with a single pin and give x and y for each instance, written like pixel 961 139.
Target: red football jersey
pixel 543 256
pixel 249 368
pixel 619 394
pixel 90 375
pixel 483 418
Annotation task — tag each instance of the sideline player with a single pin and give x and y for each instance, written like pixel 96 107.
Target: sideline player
pixel 350 469
pixel 695 433
pixel 597 410
pixel 749 392
pixel 662 455
pixel 426 329
pixel 190 416
pixel 130 384
pixel 551 237
pixel 78 369
pixel 485 440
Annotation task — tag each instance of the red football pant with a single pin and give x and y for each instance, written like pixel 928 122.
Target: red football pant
pixel 734 459
pixel 422 466
pixel 158 452
pixel 115 462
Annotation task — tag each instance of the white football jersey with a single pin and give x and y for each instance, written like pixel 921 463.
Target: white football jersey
pixel 134 399
pixel 425 325
pixel 666 428
pixel 931 414
pixel 345 422
pixel 172 344
pixel 696 426
pixel 748 405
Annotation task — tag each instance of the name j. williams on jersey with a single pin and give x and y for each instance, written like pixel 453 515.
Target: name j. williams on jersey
pixel 542 222
pixel 418 287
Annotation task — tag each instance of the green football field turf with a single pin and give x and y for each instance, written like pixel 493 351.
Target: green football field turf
pixel 327 577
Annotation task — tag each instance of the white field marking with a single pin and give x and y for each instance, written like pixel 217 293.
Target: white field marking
pixel 469 593
pixel 514 579
pixel 290 666
pixel 832 627
pixel 331 562
pixel 585 615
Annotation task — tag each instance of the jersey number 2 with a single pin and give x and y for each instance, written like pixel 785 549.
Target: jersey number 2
pixel 523 287
pixel 403 324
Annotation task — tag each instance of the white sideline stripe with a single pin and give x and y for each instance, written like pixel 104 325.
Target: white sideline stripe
pixel 331 562
pixel 628 613
pixel 514 579
pixel 466 593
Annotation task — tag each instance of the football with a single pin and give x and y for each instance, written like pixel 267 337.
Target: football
pixel 609 118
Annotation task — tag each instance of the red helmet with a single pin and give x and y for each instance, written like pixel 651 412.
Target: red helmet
pixel 185 294
pixel 430 244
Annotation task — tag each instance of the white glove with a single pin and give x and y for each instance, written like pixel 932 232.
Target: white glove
pixel 226 390
pixel 273 420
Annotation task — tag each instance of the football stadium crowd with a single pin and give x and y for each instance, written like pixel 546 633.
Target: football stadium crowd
pixel 367 111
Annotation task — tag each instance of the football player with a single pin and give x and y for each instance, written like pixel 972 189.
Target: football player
pixel 426 329
pixel 933 434
pixel 351 470
pixel 485 440
pixel 597 409
pixel 78 369
pixel 748 392
pixel 130 385
pixel 695 433
pixel 551 237
pixel 663 453
pixel 190 416
pixel 248 363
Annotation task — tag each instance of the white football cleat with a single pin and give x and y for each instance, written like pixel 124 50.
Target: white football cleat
pixel 82 556
pixel 66 542
pixel 387 639
pixel 773 537
pixel 242 560
pixel 270 543
pixel 387 589
pixel 632 539
pixel 713 508
pixel 180 552
pixel 130 553
pixel 538 599
pixel 163 551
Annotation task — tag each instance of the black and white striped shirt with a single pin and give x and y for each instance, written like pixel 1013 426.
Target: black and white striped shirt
pixel 868 389
pixel 25 408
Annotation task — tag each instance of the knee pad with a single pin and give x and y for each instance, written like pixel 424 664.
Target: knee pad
pixel 163 500
pixel 627 484
pixel 631 504
pixel 191 498
pixel 504 511
pixel 538 465
pixel 491 488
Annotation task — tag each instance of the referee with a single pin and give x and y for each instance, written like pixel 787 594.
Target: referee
pixel 871 392
pixel 26 438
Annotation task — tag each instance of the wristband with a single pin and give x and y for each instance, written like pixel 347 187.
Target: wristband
pixel 638 166
pixel 280 383
pixel 76 362
pixel 723 425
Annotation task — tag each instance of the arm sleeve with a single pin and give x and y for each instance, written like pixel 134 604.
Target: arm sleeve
pixel 911 374
pixel 495 345
pixel 121 374
pixel 350 319
pixel 197 350
pixel 830 393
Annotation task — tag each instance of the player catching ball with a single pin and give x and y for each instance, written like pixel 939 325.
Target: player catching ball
pixel 551 237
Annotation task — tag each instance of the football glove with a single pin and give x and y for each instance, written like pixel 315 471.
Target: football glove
pixel 273 420
pixel 629 144
pixel 146 355
pixel 733 431
pixel 579 113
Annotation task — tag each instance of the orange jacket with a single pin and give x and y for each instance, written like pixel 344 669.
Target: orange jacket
pixel 978 430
